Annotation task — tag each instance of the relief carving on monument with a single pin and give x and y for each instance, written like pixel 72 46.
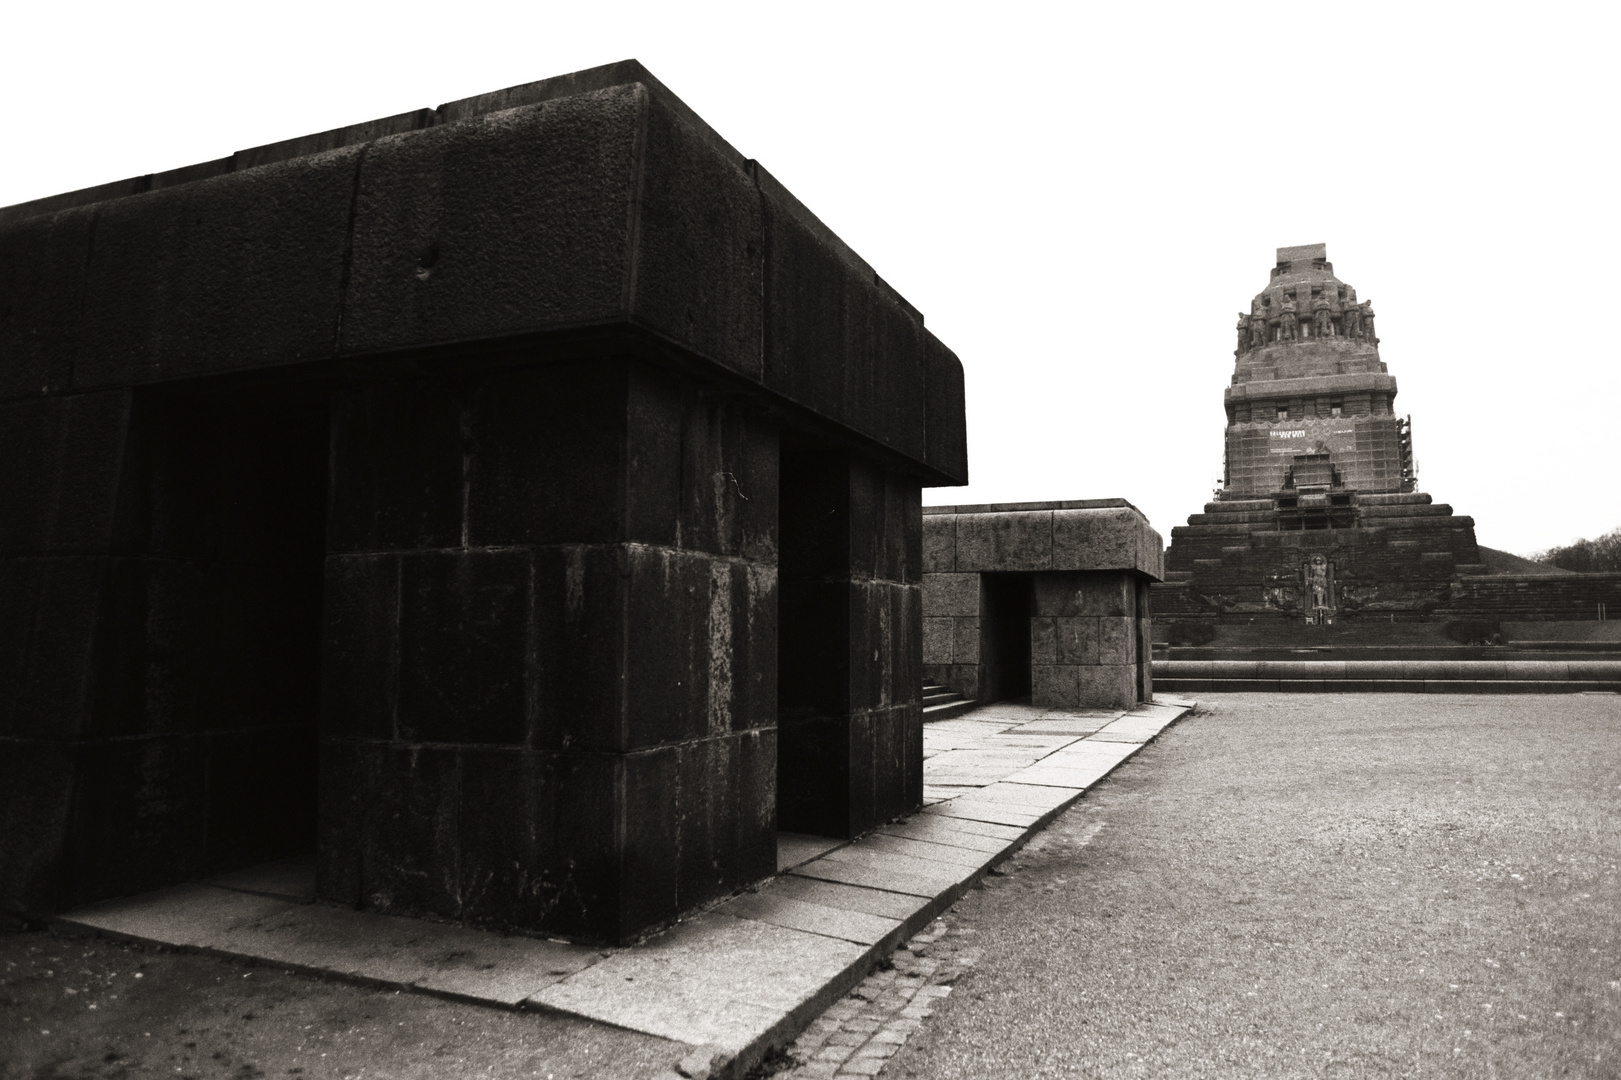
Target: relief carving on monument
pixel 1243 334
pixel 1366 310
pixel 1317 579
pixel 1280 591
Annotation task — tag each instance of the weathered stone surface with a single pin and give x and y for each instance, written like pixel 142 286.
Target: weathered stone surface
pixel 856 926
pixel 515 388
pixel 714 980
pixel 1016 540
pixel 1085 562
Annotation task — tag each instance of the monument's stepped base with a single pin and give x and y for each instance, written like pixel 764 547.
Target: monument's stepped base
pixel 1596 675
pixel 1536 597
pixel 1393 557
pixel 1586 632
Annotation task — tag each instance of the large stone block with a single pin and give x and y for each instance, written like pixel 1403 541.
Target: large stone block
pixel 1078 640
pixel 50 611
pixel 503 224
pixel 1044 641
pixel 42 273
pixel 951 594
pixel 398 466
pixel 1018 540
pixel 1054 686
pixel 1096 539
pixel 239 271
pixel 140 816
pixel 1108 686
pixel 39 779
pixel 60 459
pixel 837 343
pixel 547 462
pixel 699 259
pixel 939 543
pixel 360 662
pixel 947 446
pixel 965 641
pixel 577 657
pixel 1117 640
pixel 464 647
pixel 390 819
pixel 937 637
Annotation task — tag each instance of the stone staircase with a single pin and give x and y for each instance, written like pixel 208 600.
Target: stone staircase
pixel 942 703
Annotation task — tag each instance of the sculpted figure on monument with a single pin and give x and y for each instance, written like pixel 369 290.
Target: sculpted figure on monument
pixel 1322 320
pixel 1366 311
pixel 1243 334
pixel 1287 324
pixel 1352 321
pixel 1257 332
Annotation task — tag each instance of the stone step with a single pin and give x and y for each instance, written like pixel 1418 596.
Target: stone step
pixel 946 710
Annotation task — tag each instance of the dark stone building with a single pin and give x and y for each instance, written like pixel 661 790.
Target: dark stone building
pixel 516 503
pixel 1318 518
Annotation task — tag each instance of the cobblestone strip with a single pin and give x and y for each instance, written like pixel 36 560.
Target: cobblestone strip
pixel 858 1034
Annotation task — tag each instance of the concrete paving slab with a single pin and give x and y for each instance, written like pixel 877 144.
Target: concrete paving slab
pixel 1134 727
pixel 1038 741
pixel 1023 795
pixel 894 862
pixel 1076 727
pixel 928 884
pixel 972 724
pixel 835 894
pixel 191 916
pixel 926 849
pixel 289 879
pixel 795 848
pixel 939 830
pixel 996 813
pixel 1077 778
pixel 1085 753
pixel 436 957
pixel 715 980
pixel 779 910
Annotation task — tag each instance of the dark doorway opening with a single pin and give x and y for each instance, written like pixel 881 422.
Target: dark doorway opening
pixel 813 640
pixel 1007 605
pixel 218 651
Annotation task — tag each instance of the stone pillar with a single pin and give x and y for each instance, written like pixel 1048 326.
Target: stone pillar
pixel 1086 640
pixel 851 715
pixel 550 648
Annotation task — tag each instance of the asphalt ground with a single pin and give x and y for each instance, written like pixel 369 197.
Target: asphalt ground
pixel 73 1007
pixel 1304 885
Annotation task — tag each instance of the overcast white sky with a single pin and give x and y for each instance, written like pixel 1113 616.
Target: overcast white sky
pixel 1080 198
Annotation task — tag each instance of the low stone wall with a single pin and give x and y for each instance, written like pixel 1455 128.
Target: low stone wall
pixel 1412 676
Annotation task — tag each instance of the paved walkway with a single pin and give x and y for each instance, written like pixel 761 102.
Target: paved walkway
pixel 1307 886
pixel 736 979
